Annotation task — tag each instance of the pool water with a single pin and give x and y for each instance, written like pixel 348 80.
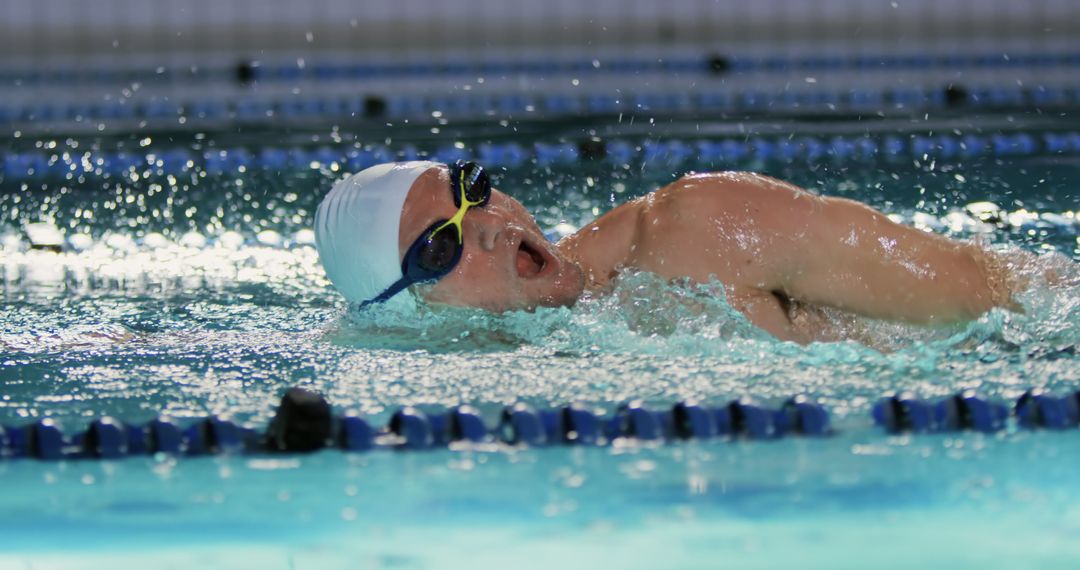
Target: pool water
pixel 852 501
pixel 188 290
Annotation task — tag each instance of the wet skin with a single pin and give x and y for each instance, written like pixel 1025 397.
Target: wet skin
pixel 778 250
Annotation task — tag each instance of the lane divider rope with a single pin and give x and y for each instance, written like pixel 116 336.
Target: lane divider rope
pixel 714 64
pixel 552 105
pixel 669 153
pixel 966 411
pixel 305 422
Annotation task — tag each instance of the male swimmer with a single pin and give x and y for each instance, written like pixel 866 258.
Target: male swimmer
pixel 443 233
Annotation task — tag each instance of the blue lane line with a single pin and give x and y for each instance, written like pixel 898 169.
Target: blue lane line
pixel 712 64
pixel 304 422
pixel 517 105
pixel 672 153
pixel 1035 409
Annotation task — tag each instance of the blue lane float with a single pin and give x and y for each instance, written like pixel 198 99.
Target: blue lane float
pixel 968 411
pixel 304 423
pixel 802 416
pixel 413 429
pixel 691 420
pixel 465 424
pixel 520 424
pixel 904 413
pixel 164 436
pixel 106 438
pixel 417 107
pixel 637 421
pixel 1035 409
pixel 44 440
pixel 670 153
pixel 354 434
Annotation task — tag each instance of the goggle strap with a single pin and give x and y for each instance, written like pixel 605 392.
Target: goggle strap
pixel 398 286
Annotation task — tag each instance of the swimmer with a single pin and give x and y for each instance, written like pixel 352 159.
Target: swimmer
pixel 443 234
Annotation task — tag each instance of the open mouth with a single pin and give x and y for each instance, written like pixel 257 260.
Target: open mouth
pixel 530 262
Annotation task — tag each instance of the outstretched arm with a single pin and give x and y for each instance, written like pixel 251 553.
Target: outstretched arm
pixel 856 258
pixel 776 237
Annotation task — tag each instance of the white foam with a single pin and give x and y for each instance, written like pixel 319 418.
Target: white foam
pixel 269 238
pixel 984 211
pixel 563 229
pixel 963 223
pixel 46 268
pixel 12 243
pixel 156 240
pixel 1022 219
pixel 304 237
pixel 231 240
pixel 193 239
pixel 1059 221
pixel 922 220
pixel 44 234
pixel 80 241
pixel 149 264
pixel 120 242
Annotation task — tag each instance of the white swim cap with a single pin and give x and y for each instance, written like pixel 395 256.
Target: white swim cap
pixel 356 228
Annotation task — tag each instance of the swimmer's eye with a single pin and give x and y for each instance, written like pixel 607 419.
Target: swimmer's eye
pixel 440 251
pixel 475 182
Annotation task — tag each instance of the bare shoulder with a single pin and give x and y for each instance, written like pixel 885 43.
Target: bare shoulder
pixel 701 225
pixel 603 246
pixel 716 194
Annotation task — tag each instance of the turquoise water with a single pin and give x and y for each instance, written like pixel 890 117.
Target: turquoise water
pixel 191 292
pixel 854 501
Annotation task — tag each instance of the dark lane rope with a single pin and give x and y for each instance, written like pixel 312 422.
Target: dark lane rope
pixel 305 422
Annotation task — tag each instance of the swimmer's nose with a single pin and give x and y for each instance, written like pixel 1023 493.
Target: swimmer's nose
pixel 487 225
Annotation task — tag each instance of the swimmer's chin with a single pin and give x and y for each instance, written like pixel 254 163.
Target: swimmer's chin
pixel 567 289
pixel 442 305
pixel 551 304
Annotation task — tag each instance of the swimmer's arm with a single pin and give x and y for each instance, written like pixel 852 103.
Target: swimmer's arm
pixel 844 254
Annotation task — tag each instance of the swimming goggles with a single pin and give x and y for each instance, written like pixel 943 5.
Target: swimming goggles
pixel 438 249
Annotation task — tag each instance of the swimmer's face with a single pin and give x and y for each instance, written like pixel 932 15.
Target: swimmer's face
pixel 507 263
